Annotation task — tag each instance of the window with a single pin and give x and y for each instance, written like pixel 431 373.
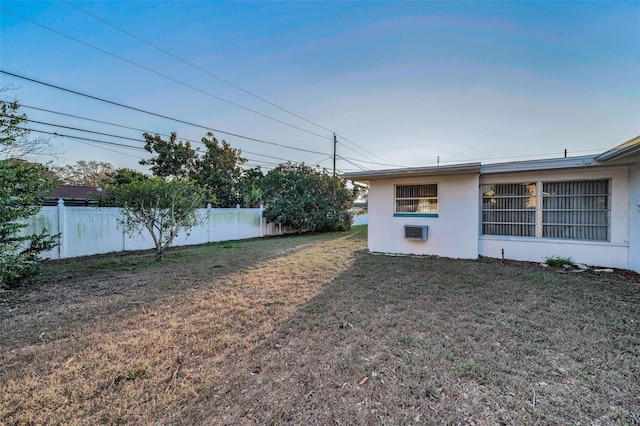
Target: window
pixel 574 210
pixel 509 209
pixel 416 200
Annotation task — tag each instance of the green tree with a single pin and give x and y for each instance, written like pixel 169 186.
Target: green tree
pixel 173 158
pixel 163 207
pixel 306 199
pixel 219 171
pixel 250 187
pixel 23 188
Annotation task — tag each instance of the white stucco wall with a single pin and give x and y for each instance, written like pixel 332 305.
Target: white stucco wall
pixel 634 218
pixel 614 253
pixel 454 233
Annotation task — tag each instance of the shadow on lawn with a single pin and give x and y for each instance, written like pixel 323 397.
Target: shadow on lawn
pixel 439 341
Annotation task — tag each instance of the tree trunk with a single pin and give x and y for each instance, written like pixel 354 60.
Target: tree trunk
pixel 159 254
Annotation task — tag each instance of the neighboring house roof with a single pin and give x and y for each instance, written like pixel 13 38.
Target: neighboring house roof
pixel 75 194
pixel 622 154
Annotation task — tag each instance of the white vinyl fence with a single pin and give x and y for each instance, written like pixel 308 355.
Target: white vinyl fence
pixel 94 230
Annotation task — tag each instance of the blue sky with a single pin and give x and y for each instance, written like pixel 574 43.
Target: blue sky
pixel 405 82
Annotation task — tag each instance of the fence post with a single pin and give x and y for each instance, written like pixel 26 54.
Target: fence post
pixel 124 229
pixel 209 218
pixel 237 231
pixel 62 229
pixel 262 225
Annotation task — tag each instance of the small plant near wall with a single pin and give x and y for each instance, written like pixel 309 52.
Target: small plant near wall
pixel 558 261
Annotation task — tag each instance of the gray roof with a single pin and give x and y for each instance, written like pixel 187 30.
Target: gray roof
pixel 622 154
pixel 623 151
pixel 455 169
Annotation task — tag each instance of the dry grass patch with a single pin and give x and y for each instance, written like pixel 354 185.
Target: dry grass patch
pixel 311 330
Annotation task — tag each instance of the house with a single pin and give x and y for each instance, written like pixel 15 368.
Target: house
pixel 586 208
pixel 74 195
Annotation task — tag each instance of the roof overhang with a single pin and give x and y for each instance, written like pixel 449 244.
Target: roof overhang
pixel 622 152
pixel 456 169
pixel 546 164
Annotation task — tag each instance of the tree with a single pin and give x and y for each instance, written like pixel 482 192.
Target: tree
pixel 306 199
pixel 173 158
pixel 15 141
pixel 83 173
pixel 219 171
pixel 250 187
pixel 122 176
pixel 22 190
pixel 163 207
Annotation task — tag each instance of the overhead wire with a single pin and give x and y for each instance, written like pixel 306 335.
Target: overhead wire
pixel 144 141
pixel 184 61
pixel 151 70
pixel 132 128
pixel 177 120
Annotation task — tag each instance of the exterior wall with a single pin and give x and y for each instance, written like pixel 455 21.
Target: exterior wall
pixel 634 218
pixel 454 233
pixel 614 253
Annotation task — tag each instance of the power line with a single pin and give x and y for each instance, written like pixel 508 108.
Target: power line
pixel 90 119
pixel 111 150
pixel 184 61
pixel 127 127
pixel 358 146
pixel 151 70
pixel 84 130
pixel 161 134
pixel 140 140
pixel 156 114
pixel 369 162
pixel 85 139
pixel 354 164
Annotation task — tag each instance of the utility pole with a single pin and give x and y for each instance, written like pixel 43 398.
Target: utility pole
pixel 335 142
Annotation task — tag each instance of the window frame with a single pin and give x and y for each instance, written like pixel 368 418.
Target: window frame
pixel 540 210
pixel 396 213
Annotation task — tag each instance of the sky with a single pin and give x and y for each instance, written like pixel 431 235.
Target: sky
pixel 402 84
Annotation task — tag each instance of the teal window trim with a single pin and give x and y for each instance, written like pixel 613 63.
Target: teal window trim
pixel 415 215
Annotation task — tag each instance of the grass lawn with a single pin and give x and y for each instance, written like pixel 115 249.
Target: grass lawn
pixel 313 330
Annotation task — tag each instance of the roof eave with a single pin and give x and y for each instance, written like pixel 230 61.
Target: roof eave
pixel 457 169
pixel 625 150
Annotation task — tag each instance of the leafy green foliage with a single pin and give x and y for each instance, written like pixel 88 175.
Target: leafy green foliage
pixel 22 188
pixel 558 261
pixel 219 171
pixel 10 132
pixel 306 199
pixel 173 158
pixel 118 177
pixel 250 187
pixel 23 185
pixel 163 207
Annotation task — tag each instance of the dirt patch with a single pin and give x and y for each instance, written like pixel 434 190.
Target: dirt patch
pixel 311 330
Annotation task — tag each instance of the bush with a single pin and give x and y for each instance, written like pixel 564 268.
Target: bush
pixel 558 261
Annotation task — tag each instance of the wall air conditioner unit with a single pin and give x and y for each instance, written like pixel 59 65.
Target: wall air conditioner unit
pixel 416 232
